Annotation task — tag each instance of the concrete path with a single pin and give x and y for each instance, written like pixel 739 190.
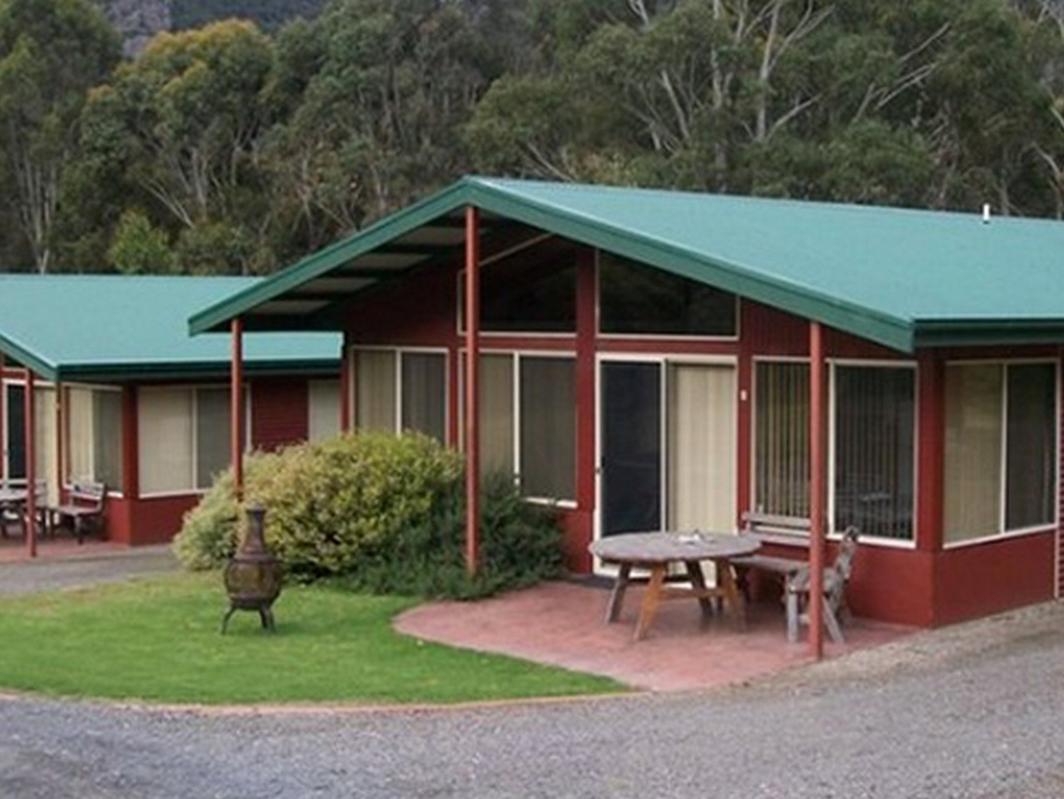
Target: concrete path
pixel 975 711
pixel 76 571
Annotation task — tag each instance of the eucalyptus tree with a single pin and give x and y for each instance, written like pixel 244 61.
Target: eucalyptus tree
pixel 51 53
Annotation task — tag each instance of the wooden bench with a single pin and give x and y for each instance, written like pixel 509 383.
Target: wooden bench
pixel 83 510
pixel 836 577
pixel 771 529
pixel 793 573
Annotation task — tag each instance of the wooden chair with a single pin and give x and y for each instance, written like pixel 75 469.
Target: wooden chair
pixel 836 577
pixel 83 510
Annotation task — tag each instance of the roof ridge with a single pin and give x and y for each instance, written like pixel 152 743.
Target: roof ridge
pixel 832 205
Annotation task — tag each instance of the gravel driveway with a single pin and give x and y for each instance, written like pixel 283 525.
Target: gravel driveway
pixel 47 575
pixel 972 711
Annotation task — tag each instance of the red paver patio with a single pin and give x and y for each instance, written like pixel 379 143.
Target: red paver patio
pixel 561 623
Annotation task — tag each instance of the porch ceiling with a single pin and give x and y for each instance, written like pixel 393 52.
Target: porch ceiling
pixel 898 277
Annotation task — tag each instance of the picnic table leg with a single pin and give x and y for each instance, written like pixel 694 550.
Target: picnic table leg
pixel 613 610
pixel 698 582
pixel 651 599
pixel 736 605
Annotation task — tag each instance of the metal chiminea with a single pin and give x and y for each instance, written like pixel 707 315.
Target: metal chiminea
pixel 253 576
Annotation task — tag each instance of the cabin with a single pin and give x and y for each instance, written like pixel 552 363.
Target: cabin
pixel 123 396
pixel 645 360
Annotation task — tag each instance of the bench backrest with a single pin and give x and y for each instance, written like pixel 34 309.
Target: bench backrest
pixel 847 549
pixel 88 494
pixel 772 529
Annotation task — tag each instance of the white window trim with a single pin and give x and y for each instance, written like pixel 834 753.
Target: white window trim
pixel 397 353
pixel 658 337
pixel 515 357
pixel 248 445
pixel 67 485
pixel 1004 534
pixel 832 363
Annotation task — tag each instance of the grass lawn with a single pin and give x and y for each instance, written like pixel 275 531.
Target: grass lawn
pixel 158 640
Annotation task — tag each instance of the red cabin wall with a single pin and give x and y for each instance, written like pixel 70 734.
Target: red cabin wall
pixel 279 412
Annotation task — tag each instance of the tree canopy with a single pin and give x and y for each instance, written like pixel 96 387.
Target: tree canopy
pixel 227 148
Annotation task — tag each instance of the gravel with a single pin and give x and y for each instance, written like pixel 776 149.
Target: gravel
pixel 971 711
pixel 48 575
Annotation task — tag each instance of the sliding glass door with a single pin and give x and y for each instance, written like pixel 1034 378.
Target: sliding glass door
pixel 667 446
pixel 631 447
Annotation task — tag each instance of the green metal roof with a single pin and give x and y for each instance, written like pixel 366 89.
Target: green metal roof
pixel 904 278
pixel 69 327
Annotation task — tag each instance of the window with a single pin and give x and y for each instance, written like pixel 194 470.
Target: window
pixel 872 461
pixel 399 390
pixel 528 422
pixel 874 458
pixel 531 292
pixel 1000 458
pixel 94 436
pixel 183 438
pixel 642 300
pixel 323 409
pixel 375 390
pixel 548 427
pixel 44 436
pixel 781 451
pixel 496 395
pixel 424 394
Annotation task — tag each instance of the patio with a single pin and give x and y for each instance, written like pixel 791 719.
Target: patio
pixel 561 623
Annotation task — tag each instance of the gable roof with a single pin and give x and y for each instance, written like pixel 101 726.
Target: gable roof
pixel 903 278
pixel 111 327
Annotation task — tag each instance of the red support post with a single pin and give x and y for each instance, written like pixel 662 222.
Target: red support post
pixel 472 383
pixel 3 416
pixel 236 407
pixel 30 446
pixel 345 388
pixel 817 487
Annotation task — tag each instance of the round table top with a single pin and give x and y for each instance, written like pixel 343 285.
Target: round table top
pixel 666 547
pixel 13 494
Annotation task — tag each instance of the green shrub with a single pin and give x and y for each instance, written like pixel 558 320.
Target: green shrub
pixel 383 514
pixel 209 532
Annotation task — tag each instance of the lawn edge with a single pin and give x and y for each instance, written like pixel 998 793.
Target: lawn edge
pixel 318 708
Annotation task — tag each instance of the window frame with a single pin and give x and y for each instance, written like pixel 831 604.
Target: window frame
pixel 876 363
pixel 397 353
pixel 193 387
pixel 515 358
pixel 1004 534
pixel 661 337
pixel 67 485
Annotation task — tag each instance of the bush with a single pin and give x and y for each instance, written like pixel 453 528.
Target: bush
pixel 383 514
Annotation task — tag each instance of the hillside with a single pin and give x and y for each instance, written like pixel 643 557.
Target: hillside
pixel 139 20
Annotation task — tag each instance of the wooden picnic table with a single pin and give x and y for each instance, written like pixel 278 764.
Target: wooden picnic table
pixel 11 501
pixel 656 551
